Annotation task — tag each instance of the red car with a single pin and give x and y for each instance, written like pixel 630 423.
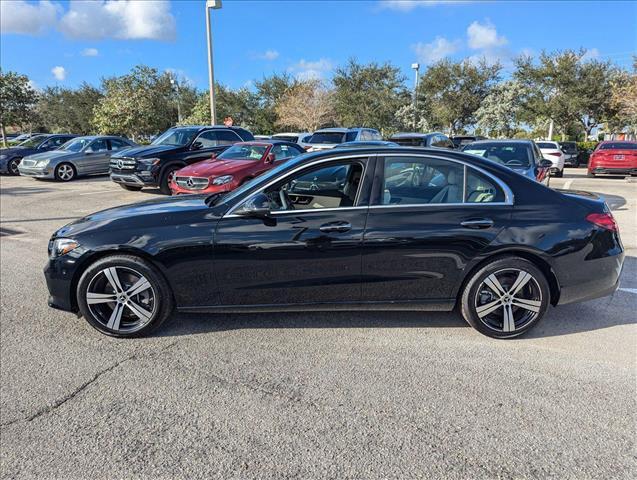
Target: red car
pixel 617 157
pixel 234 166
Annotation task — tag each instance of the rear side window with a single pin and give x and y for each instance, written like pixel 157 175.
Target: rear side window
pixel 481 189
pixel 118 144
pixel 227 137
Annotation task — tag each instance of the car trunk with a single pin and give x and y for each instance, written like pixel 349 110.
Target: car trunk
pixel 616 158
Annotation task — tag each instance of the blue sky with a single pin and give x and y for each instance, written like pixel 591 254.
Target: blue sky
pixel 68 42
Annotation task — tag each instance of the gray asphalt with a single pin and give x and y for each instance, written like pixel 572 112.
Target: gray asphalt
pixel 307 395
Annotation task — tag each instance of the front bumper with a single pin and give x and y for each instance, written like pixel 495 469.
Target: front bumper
pixel 133 179
pixel 58 273
pixel 45 172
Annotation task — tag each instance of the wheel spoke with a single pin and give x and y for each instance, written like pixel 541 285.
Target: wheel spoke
pixel 141 285
pixel 508 322
pixel 487 308
pixel 494 284
pixel 94 298
pixel 523 279
pixel 113 279
pixel 530 305
pixel 116 317
pixel 140 312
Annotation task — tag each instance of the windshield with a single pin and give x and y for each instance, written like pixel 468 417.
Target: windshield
pixel 243 152
pixel 547 145
pixel 327 137
pixel 618 146
pixel 509 154
pixel 176 136
pixel 33 141
pixel 76 145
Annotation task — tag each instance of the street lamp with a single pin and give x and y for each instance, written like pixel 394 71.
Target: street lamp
pixel 211 5
pixel 416 67
pixel 175 84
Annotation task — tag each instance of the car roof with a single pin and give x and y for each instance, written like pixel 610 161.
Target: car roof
pixel 269 142
pixel 371 143
pixel 502 140
pixel 413 135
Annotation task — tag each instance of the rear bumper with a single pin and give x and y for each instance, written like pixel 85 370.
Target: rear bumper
pixel 595 278
pixel 627 170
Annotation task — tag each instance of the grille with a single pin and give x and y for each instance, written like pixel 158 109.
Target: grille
pixel 192 183
pixel 123 163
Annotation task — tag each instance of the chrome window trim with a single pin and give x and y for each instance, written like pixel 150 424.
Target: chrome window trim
pixel 230 214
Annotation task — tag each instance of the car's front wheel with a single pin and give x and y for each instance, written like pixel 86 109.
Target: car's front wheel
pixel 12 167
pixel 166 178
pixel 124 296
pixel 65 172
pixel 505 298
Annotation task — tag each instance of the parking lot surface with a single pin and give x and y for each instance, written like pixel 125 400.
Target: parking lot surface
pixel 306 395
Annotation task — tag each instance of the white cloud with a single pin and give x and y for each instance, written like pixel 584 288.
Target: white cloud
pixel 90 52
pixel 305 70
pixel 18 16
pixel 591 54
pixel 59 73
pixel 436 50
pixel 408 5
pixel 121 19
pixel 269 55
pixel 484 36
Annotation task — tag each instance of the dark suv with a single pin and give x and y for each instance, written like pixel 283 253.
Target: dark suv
pixel 155 164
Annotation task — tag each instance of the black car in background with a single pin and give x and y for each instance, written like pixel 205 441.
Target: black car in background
pixel 10 158
pixel 571 153
pixel 460 141
pixel 382 228
pixel 154 165
pixel 413 139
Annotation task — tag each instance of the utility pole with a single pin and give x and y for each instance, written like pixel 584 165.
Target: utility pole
pixel 551 130
pixel 416 67
pixel 211 5
pixel 175 83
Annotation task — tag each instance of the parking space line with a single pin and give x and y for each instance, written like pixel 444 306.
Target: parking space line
pixel 568 184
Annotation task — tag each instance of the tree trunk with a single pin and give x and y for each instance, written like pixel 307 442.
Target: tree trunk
pixel 4 135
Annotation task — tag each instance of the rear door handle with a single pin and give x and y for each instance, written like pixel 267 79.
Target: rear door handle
pixel 335 227
pixel 477 223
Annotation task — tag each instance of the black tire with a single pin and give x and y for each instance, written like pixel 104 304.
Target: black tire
pixel 166 175
pixel 12 166
pixel 478 294
pixel 153 304
pixel 65 172
pixel 130 188
pixel 559 173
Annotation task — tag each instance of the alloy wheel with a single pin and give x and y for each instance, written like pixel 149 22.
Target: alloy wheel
pixel 65 172
pixel 121 299
pixel 13 167
pixel 508 300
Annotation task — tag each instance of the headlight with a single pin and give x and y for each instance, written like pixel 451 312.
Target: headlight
pixel 222 180
pixel 147 162
pixel 2 157
pixel 41 163
pixel 62 246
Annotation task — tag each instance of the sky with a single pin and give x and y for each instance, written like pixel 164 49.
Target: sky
pixel 65 43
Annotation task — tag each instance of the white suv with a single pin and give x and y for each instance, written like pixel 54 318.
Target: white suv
pixel 552 151
pixel 327 138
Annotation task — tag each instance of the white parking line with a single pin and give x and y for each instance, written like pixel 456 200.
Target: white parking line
pixel 568 184
pixel 629 290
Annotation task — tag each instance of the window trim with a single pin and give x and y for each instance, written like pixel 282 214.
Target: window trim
pixel 509 198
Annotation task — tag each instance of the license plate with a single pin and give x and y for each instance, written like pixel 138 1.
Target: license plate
pixel 618 157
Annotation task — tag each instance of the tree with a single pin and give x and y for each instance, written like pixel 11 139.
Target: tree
pixel 450 93
pixel 306 106
pixel 269 92
pixel 17 101
pixel 369 95
pixel 404 118
pixel 66 110
pixel 239 104
pixel 594 81
pixel 137 104
pixel 624 100
pixel 501 110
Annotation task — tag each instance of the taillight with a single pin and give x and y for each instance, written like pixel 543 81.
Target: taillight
pixel 307 147
pixel 557 154
pixel 603 220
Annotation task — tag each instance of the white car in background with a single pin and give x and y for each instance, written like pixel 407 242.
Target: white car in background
pixel 300 138
pixel 327 138
pixel 553 152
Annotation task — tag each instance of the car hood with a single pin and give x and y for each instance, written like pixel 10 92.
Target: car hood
pixel 51 154
pixel 146 151
pixel 17 151
pixel 139 216
pixel 210 168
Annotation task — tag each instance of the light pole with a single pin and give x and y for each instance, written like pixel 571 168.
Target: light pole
pixel 211 5
pixel 416 67
pixel 174 83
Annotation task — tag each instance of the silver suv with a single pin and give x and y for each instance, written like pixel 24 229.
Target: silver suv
pixel 327 138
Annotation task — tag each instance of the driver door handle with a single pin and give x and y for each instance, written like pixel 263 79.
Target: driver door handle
pixel 335 227
pixel 477 223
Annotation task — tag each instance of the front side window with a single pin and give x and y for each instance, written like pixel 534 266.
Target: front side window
pixel 227 137
pixel 207 139
pixel 100 145
pixel 55 142
pixel 118 144
pixel 33 142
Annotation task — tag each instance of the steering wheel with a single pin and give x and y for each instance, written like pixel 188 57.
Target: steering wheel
pixel 286 203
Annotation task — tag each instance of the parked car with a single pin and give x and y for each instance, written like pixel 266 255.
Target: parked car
pixel 367 144
pixel 571 153
pixel 295 137
pixel 262 137
pixel 328 231
pixel 522 156
pixel 327 138
pixel 413 139
pixel 552 151
pixel 233 167
pixel 10 158
pixel 460 141
pixel 154 165
pixel 617 157
pixel 24 136
pixel 89 155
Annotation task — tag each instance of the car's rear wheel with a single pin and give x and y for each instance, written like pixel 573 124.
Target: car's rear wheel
pixel 505 298
pixel 166 178
pixel 124 296
pixel 12 167
pixel 65 172
pixel 130 188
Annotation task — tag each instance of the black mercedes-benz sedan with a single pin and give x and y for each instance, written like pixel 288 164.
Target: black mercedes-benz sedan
pixel 382 228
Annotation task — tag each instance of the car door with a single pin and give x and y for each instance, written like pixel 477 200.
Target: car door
pixel 95 158
pixel 202 148
pixel 417 245
pixel 308 250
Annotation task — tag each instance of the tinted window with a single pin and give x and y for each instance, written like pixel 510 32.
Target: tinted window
pixel 618 146
pixel 351 136
pixel 481 189
pixel 282 152
pixel 227 137
pixel 509 154
pixel 76 145
pixel 287 138
pixel 546 144
pixel 415 180
pixel 100 145
pixel 410 141
pixel 207 139
pixel 118 144
pixel 55 142
pixel 327 137
pixel 176 136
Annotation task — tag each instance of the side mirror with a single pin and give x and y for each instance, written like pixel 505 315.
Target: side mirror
pixel 213 156
pixel 257 206
pixel 270 158
pixel 544 163
pixel 196 146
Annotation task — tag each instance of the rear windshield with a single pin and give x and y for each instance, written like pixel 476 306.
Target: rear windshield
pixel 618 146
pixel 410 142
pixel 546 145
pixel 327 137
pixel 509 154
pixel 287 138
